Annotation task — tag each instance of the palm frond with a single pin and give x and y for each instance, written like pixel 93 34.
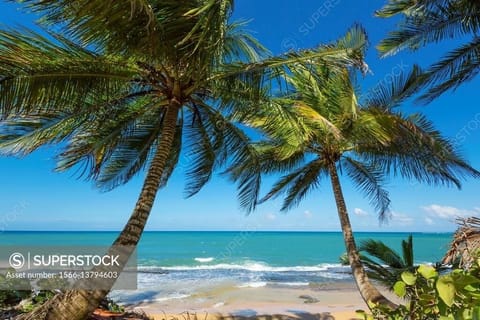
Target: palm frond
pixel 130 26
pixel 457 67
pixel 383 253
pixel 23 135
pixel 128 128
pixel 242 166
pixel 369 178
pixel 395 7
pixel 431 24
pixel 239 44
pixel 125 158
pixel 202 149
pixel 390 94
pixel 419 152
pixel 297 184
pixel 39 74
pixel 407 251
pixel 465 245
pixel 426 22
pixel 347 51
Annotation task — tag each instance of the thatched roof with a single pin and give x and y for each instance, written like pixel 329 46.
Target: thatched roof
pixel 466 243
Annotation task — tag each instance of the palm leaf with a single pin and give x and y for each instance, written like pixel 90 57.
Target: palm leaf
pixel 369 178
pixel 38 74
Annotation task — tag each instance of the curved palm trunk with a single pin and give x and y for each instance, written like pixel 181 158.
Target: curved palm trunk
pixel 79 304
pixel 368 292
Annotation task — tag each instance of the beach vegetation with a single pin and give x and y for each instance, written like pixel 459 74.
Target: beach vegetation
pixel 383 263
pixel 426 21
pixel 433 295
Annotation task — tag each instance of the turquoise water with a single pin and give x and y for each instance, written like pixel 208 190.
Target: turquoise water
pixel 169 249
pixel 249 258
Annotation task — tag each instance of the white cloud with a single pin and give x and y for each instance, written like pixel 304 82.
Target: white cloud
pixel 360 212
pixel 271 216
pixel 308 214
pixel 448 212
pixel 401 219
pixel 429 221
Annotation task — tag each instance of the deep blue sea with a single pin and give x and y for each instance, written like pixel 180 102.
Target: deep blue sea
pixel 178 262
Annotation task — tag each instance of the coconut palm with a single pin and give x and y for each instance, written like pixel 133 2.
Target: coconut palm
pixel 319 129
pixel 123 86
pixel 432 21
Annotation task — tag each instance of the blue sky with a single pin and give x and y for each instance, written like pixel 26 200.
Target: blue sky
pixel 33 197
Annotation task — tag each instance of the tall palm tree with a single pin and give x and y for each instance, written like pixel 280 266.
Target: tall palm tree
pixel 432 21
pixel 319 129
pixel 123 86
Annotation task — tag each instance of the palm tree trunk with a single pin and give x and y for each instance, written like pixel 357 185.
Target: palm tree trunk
pixel 368 292
pixel 79 304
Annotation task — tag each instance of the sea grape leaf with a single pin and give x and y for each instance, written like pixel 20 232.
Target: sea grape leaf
pixel 476 313
pixel 428 272
pixel 446 289
pixel 400 289
pixel 464 280
pixel 409 278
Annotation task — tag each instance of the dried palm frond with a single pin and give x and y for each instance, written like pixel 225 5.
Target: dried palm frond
pixel 466 243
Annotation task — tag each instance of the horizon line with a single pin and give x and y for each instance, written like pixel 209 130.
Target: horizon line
pixel 238 230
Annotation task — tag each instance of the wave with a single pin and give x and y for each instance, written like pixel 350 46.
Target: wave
pixel 252 285
pixel 204 260
pixel 172 297
pixel 293 284
pixel 251 266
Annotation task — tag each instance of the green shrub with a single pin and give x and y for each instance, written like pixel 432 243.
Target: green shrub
pixel 454 295
pixel 9 295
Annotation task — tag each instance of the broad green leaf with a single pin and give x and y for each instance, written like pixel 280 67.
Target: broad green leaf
pixel 409 278
pixel 446 290
pixel 427 297
pixel 362 314
pixel 476 313
pixel 428 272
pixel 463 280
pixel 400 289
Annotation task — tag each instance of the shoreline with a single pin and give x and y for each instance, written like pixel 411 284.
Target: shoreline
pixel 335 300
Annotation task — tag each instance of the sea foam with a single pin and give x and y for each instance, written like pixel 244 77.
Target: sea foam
pixel 204 260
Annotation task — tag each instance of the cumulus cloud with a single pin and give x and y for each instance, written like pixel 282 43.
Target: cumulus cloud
pixel 308 214
pixel 360 212
pixel 448 212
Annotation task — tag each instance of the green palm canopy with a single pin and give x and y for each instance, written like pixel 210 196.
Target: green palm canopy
pixel 432 21
pixel 123 86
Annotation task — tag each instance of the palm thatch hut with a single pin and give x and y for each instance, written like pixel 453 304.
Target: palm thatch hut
pixel 465 247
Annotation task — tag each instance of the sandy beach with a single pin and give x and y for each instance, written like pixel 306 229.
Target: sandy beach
pixel 322 301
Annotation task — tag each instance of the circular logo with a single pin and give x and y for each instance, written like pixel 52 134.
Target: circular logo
pixel 16 260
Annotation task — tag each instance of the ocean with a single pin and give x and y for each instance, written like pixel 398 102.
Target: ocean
pixel 177 264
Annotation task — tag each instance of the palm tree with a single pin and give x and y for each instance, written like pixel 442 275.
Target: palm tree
pixel 431 21
pixel 123 86
pixel 319 129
